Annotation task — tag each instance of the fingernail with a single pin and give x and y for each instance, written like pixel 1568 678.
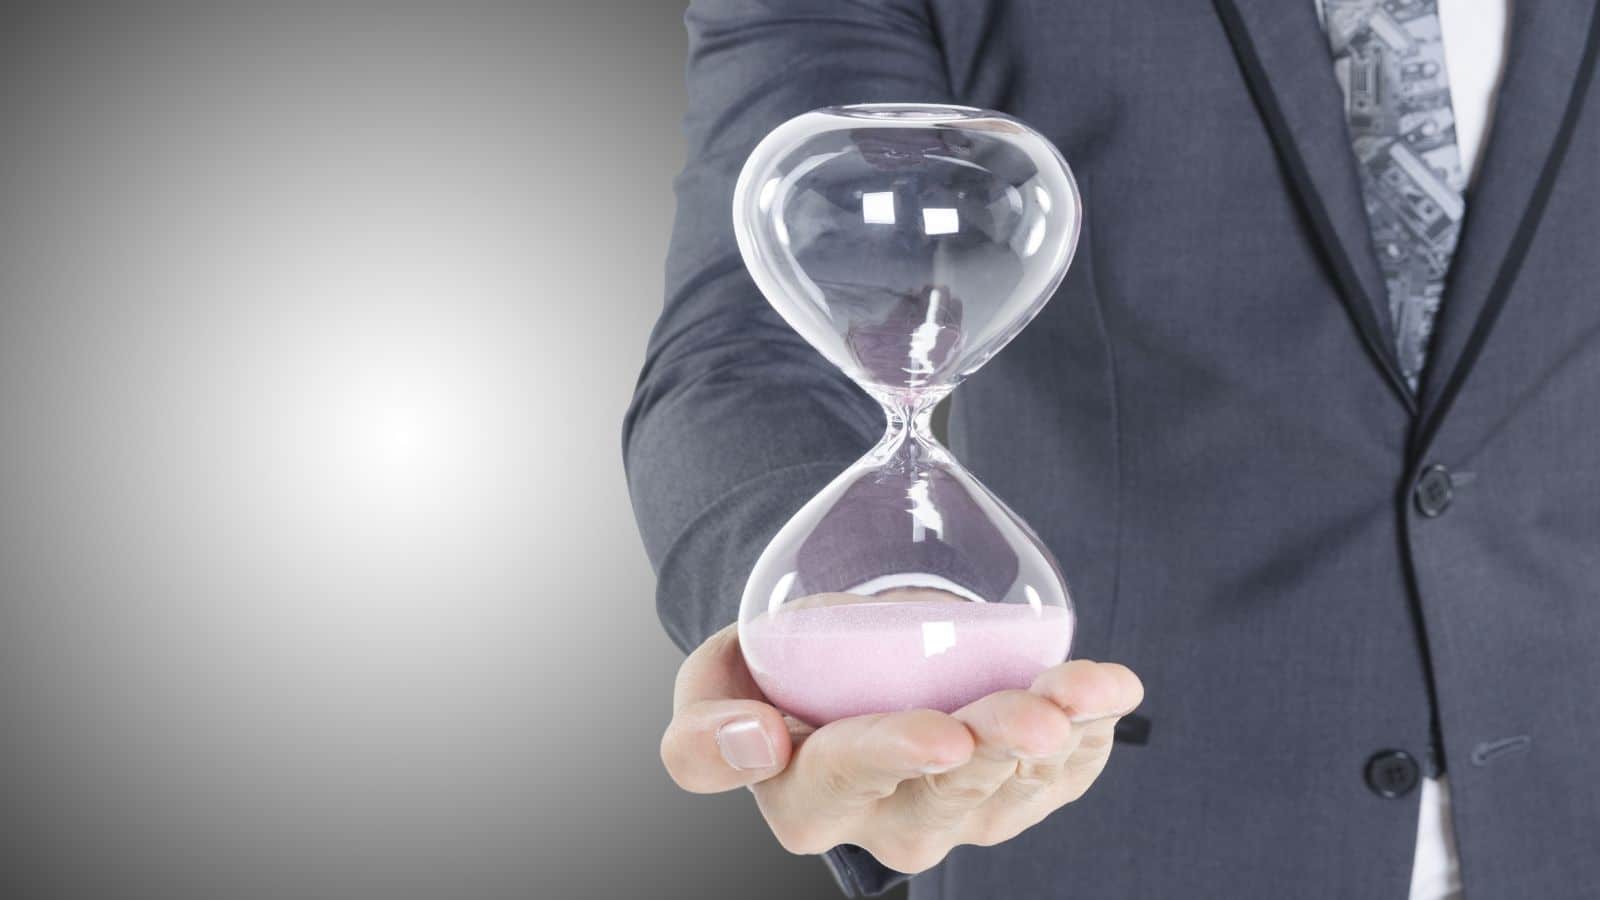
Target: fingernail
pixel 745 745
pixel 940 768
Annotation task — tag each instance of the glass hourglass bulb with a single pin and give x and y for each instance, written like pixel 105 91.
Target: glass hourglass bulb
pixel 907 243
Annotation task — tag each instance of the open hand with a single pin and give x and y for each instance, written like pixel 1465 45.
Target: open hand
pixel 906 786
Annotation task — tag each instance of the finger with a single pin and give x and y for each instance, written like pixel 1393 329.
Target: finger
pixel 1085 690
pixel 1050 784
pixel 1088 695
pixel 1039 789
pixel 715 671
pixel 1092 696
pixel 1080 761
pixel 1042 786
pixel 847 765
pixel 1089 691
pixel 1009 727
pixel 717 746
pixel 722 735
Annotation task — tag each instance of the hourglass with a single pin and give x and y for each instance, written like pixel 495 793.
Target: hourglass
pixel 907 243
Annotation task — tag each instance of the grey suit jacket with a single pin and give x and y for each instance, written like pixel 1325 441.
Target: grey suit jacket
pixel 1206 426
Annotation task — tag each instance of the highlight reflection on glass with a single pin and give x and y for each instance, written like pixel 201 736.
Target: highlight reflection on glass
pixel 908 244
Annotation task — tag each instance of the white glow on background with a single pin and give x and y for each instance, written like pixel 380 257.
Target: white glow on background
pixel 384 424
pixel 390 435
pixel 387 434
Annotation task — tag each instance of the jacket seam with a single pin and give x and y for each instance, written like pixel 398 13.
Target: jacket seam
pixel 1115 397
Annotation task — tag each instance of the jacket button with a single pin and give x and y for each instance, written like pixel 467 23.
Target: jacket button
pixel 1434 492
pixel 1392 773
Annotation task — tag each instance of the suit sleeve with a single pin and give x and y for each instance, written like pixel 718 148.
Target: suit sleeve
pixel 736 421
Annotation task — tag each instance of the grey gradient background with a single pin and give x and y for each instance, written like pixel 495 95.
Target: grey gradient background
pixel 317 573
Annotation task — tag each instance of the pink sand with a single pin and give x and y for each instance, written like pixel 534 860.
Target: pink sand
pixel 829 662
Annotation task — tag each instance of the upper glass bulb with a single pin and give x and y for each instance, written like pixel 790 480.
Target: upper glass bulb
pixel 907 242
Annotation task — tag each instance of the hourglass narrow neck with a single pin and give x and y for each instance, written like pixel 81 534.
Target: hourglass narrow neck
pixel 908 432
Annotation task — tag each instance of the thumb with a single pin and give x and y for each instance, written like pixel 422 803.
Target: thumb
pixel 723 734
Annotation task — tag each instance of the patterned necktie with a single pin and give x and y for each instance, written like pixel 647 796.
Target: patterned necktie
pixel 1389 59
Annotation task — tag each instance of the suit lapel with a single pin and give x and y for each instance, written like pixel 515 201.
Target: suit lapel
pixel 1549 64
pixel 1284 55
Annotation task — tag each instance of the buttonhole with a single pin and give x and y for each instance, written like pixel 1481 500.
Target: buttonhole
pixel 1489 751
